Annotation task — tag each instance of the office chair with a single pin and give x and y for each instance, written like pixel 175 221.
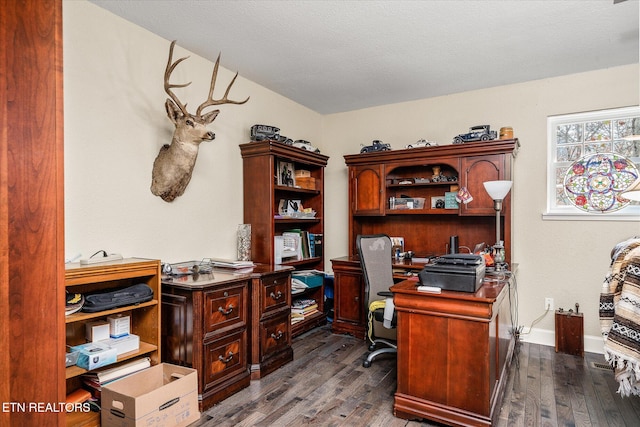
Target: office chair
pixel 375 259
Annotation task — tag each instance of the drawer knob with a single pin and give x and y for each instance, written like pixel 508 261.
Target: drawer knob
pixel 226 312
pixel 226 359
pixel 276 296
pixel 277 336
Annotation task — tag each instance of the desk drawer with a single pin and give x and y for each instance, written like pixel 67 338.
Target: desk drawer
pixel 225 308
pixel 275 334
pixel 224 358
pixel 276 290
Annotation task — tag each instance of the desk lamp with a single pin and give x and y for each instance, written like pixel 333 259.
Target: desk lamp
pixel 498 190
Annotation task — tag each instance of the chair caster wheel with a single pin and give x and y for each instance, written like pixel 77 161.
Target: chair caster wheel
pixel 366 364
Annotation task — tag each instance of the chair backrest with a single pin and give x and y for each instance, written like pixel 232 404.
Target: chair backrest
pixel 375 252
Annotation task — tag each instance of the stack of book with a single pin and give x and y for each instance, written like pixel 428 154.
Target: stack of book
pixel 303 308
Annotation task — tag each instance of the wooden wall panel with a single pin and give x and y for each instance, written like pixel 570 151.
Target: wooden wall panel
pixel 31 212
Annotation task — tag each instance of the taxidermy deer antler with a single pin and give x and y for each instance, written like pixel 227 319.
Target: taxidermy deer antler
pixel 174 164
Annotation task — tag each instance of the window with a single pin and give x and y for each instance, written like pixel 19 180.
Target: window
pixel 615 135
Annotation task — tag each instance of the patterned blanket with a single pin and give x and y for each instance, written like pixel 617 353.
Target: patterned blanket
pixel 620 315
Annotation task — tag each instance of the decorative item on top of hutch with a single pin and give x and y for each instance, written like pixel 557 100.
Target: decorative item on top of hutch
pixel 284 203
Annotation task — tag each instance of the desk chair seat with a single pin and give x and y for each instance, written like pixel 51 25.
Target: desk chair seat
pixel 375 259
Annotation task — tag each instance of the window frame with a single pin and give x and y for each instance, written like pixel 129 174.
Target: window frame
pixel 554 212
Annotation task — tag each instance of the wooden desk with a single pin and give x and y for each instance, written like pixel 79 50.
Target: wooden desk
pixel 454 349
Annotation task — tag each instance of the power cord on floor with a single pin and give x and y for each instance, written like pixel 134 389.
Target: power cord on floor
pixel 535 321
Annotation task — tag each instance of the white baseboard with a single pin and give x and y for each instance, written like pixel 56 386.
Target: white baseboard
pixel 592 344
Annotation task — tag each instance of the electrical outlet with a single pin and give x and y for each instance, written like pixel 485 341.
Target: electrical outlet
pixel 548 304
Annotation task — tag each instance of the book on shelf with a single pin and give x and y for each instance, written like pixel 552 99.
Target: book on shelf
pixel 296 320
pixel 304 237
pixel 312 245
pixel 105 376
pixel 300 304
pixel 306 310
pixel 299 317
pixel 304 306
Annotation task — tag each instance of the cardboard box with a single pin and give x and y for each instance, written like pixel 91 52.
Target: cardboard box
pixel 97 331
pixel 119 325
pixel 163 395
pixel 94 355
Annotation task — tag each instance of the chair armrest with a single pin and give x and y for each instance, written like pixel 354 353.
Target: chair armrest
pixel 385 294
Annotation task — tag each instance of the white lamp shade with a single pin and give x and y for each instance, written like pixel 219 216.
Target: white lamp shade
pixel 633 192
pixel 498 189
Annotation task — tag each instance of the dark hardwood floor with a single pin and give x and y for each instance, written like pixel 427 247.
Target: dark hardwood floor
pixel 326 385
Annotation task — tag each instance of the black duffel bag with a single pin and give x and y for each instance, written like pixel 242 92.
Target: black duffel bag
pixel 117 298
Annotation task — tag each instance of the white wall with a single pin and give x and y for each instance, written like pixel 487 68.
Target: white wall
pixel 115 124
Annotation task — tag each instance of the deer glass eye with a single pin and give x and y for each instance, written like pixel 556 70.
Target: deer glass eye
pixel 190 122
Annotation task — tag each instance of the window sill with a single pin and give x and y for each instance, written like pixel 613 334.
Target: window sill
pixel 629 213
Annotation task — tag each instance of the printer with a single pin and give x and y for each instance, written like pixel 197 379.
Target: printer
pixel 454 272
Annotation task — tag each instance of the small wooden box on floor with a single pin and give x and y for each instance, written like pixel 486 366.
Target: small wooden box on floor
pixel 569 333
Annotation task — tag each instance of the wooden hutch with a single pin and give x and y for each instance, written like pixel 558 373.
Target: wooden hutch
pixel 379 180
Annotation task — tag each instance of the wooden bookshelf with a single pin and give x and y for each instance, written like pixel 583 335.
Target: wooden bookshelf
pixel 145 317
pixel 263 191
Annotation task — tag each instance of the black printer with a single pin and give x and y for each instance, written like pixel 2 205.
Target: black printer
pixel 454 272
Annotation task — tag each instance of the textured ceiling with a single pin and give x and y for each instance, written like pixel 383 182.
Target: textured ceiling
pixel 334 56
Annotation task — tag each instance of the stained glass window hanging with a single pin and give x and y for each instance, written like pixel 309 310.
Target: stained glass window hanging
pixel 583 140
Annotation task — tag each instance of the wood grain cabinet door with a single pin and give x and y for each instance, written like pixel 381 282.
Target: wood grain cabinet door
pixel 275 291
pixel 224 308
pixel 349 298
pixel 225 358
pixel 474 172
pixel 177 330
pixel 366 192
pixel 275 335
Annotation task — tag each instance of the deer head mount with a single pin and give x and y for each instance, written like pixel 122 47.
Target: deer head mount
pixel 174 164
